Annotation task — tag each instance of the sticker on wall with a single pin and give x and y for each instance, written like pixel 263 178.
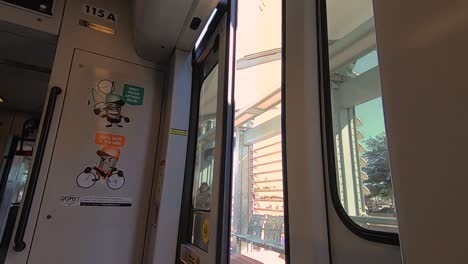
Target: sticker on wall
pixel 106 169
pixel 109 140
pixel 206 231
pixel 69 200
pixel 106 201
pixel 110 105
pixel 133 95
pixel 75 200
pixel 178 132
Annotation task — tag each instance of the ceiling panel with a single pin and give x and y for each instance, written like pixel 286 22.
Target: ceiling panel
pixel 344 16
pixel 22 90
pixel 25 65
pixel 162 25
pixel 26 50
pixel 157 26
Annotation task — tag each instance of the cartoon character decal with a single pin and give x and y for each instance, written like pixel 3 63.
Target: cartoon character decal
pixel 106 170
pixel 108 103
pixel 112 110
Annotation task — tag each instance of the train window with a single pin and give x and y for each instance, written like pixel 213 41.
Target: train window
pixel 257 223
pixel 204 158
pixel 361 179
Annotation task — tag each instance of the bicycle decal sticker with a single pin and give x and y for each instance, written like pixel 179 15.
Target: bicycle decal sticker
pixel 106 169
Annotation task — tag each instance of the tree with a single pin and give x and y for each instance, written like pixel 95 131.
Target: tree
pixel 378 168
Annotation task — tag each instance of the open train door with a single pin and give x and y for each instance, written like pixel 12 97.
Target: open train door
pixel 201 216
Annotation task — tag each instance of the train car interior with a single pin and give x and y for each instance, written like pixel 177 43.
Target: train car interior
pixel 233 131
pixel 26 64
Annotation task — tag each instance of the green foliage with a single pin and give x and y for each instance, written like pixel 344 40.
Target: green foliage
pixel 378 167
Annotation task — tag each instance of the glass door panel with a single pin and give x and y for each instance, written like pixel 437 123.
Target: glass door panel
pixel 204 160
pixel 257 218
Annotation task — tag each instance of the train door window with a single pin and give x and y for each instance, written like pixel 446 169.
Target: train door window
pixel 204 158
pixel 257 217
pixel 360 175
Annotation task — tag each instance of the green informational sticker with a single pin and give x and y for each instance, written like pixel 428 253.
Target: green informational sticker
pixel 133 95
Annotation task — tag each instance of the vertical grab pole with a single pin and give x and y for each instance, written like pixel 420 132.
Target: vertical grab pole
pixel 19 244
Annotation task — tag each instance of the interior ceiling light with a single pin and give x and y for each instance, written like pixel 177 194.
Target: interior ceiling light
pixel 97 27
pixel 1 100
pixel 202 34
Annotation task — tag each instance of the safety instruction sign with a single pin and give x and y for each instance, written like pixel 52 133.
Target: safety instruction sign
pixel 133 95
pixel 76 200
pixel 110 140
pixel 178 132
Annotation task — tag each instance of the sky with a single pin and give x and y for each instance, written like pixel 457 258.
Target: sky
pixel 372 117
pixel 370 112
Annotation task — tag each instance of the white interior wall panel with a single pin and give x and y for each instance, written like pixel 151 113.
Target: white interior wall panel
pixel 49 24
pixel 168 192
pixel 83 58
pixel 116 221
pixel 423 70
